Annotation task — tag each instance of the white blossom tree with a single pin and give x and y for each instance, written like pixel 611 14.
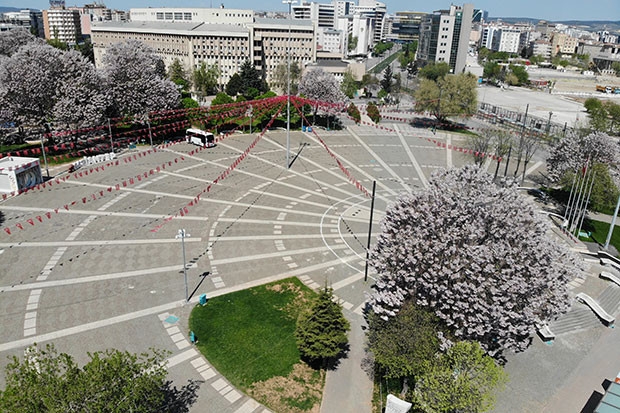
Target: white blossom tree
pixel 321 86
pixel 81 100
pixel 134 82
pixel 477 255
pixel 572 153
pixel 29 80
pixel 12 40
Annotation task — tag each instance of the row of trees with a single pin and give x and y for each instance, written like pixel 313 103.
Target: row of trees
pixel 604 115
pixel 40 84
pixel 111 381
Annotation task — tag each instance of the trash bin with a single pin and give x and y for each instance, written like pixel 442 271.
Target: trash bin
pixel 303 128
pixel 202 299
pixel 309 128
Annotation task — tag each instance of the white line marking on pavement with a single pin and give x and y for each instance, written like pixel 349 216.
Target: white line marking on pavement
pixel 180 358
pixel 273 255
pixel 93 278
pixel 414 161
pixel 104 213
pixel 65 244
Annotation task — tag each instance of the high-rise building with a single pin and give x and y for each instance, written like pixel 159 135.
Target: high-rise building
pixel 444 37
pixel 405 26
pixel 62 24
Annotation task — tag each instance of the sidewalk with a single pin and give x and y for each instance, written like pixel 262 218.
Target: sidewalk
pixel 349 388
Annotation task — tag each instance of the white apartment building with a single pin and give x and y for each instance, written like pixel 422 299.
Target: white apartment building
pixel 542 48
pixel 63 25
pixel 509 40
pixel 184 14
pixel 331 40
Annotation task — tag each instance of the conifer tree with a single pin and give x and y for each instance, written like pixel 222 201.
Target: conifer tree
pixel 321 331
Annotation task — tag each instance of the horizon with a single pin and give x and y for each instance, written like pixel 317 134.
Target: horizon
pixel 550 10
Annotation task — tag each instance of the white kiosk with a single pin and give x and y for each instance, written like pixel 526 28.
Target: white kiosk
pixel 18 174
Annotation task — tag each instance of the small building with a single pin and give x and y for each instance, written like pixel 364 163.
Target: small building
pixel 18 174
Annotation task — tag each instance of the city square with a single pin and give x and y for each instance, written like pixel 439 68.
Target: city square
pixel 98 263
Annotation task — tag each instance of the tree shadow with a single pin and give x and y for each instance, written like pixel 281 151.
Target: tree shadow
pixel 1 218
pixel 330 363
pixel 180 400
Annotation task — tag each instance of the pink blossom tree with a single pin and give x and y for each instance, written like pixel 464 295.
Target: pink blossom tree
pixel 476 254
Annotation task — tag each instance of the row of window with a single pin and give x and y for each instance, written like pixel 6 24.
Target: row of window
pixel 173 16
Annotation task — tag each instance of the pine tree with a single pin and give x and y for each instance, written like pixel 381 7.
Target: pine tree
pixel 321 332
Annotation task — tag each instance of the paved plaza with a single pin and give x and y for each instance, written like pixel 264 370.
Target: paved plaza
pixel 97 264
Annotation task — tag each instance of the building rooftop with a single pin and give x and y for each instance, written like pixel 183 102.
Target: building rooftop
pixel 168 27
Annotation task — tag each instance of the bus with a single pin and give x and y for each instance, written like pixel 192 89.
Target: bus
pixel 200 138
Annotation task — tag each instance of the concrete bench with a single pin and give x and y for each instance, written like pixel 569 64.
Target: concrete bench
pixel 609 276
pixel 598 310
pixel 608 259
pixel 545 333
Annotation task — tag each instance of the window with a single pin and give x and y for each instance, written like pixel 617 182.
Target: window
pixel 178 16
pixel 168 15
pixel 187 16
pixel 160 16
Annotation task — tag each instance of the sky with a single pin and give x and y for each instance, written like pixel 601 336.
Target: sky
pixel 553 10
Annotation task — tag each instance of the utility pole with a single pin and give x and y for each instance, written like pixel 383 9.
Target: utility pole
pixel 182 235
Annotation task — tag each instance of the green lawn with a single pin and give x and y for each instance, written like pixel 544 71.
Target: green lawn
pixel 248 336
pixel 598 233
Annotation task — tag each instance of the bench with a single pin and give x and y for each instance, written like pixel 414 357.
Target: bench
pixel 545 333
pixel 608 259
pixel 598 310
pixel 609 276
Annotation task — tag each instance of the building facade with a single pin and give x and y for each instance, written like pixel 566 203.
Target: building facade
pixel 195 15
pixel 63 25
pixel 265 42
pixel 444 37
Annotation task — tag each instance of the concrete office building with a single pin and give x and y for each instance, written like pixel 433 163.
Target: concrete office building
pixel 196 15
pixel 227 46
pixel 62 24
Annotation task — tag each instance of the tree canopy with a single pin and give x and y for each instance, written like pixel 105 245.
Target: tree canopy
pixel 574 151
pixel 477 255
pixel 279 78
pixel 134 80
pixel 321 331
pixel 111 381
pixel 464 379
pixel 452 95
pixel 434 71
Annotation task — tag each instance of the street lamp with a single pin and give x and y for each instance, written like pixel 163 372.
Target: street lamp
pixel 249 113
pixel 288 85
pixel 182 234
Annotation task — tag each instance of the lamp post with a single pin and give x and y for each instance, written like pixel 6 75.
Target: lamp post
pixel 288 85
pixel 249 113
pixel 182 234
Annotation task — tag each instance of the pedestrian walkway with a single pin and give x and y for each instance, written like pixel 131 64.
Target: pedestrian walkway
pixel 348 388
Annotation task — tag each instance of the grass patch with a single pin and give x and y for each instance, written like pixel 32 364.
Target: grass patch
pixel 384 63
pixel 598 233
pixel 248 336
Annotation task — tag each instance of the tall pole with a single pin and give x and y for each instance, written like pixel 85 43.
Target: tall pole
pixel 288 86
pixel 111 141
pixel 182 234
pixel 372 208
pixel 612 226
pixel 44 156
pixel 148 123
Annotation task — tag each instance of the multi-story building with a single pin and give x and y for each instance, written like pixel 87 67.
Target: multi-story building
pixel 444 37
pixel 542 47
pixel 405 26
pixel 563 44
pixel 184 14
pixel 265 42
pixel 272 46
pixel 62 24
pixel 29 19
pixel 358 27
